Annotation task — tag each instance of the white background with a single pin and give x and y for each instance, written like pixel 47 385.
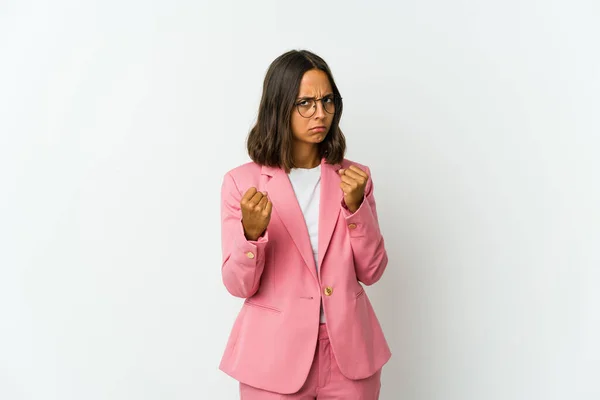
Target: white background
pixel 479 120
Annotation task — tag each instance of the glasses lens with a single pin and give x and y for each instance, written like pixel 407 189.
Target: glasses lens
pixel 329 104
pixel 306 108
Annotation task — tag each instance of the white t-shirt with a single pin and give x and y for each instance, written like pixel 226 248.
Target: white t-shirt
pixel 307 187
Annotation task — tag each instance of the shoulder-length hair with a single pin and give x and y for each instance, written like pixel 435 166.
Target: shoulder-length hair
pixel 270 141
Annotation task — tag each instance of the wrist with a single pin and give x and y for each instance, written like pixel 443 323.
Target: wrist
pixel 352 209
pixel 252 235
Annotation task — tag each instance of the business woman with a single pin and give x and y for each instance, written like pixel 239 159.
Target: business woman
pixel 300 238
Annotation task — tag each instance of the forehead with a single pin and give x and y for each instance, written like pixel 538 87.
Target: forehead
pixel 314 83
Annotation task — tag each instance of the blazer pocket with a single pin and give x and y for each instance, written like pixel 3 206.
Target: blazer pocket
pixel 262 306
pixel 360 292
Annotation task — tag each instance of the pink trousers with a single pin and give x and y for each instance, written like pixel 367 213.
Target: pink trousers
pixel 324 382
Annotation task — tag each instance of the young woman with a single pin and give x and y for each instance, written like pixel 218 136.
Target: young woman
pixel 299 235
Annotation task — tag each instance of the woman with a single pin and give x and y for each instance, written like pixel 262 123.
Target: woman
pixel 299 232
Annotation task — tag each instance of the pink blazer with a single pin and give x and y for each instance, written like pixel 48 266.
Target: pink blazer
pixel 273 339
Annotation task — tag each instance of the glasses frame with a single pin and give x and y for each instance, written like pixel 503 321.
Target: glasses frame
pixel 336 101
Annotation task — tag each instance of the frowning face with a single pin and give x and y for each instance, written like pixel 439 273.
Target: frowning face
pixel 314 110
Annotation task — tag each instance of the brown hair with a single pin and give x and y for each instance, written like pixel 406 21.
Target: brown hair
pixel 270 140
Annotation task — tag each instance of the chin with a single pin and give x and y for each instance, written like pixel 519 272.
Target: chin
pixel 318 137
pixel 313 138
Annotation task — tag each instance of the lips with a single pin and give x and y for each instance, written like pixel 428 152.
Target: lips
pixel 317 128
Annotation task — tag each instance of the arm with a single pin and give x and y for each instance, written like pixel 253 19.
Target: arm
pixel 243 259
pixel 368 246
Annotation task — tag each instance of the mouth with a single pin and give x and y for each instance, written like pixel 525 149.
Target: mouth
pixel 318 129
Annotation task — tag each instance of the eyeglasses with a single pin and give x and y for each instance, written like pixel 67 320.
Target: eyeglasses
pixel 307 106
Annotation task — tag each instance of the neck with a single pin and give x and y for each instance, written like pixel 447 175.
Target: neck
pixel 306 156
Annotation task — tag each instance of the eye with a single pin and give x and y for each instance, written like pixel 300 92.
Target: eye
pixel 328 99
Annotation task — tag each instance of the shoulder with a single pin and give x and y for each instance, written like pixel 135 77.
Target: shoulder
pixel 245 170
pixel 243 175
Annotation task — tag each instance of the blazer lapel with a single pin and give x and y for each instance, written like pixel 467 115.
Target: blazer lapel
pixel 329 205
pixel 281 193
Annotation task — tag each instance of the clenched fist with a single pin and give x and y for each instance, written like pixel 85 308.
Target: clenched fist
pixel 353 184
pixel 256 213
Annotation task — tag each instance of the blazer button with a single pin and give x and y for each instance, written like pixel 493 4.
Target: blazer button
pixel 328 291
pixel 352 226
pixel 250 254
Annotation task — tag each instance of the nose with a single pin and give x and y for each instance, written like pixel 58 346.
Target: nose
pixel 320 110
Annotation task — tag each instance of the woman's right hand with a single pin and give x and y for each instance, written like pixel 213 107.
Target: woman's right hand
pixel 256 213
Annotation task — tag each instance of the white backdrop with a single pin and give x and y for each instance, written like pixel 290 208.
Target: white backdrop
pixel 479 120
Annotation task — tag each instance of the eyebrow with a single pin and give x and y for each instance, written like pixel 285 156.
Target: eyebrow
pixel 312 98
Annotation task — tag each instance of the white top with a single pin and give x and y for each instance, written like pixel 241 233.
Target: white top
pixel 307 187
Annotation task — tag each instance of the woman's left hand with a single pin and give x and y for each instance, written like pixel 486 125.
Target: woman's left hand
pixel 354 181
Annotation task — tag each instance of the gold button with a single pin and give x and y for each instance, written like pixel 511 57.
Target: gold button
pixel 352 226
pixel 250 254
pixel 328 291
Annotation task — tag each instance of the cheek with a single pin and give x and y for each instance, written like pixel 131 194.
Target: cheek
pixel 330 119
pixel 298 125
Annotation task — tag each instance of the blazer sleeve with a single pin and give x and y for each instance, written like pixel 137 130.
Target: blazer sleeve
pixel 368 245
pixel 243 260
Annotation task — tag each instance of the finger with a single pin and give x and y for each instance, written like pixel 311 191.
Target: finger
pixel 355 175
pixel 268 208
pixel 346 188
pixel 350 181
pixel 248 195
pixel 255 200
pixel 359 171
pixel 261 204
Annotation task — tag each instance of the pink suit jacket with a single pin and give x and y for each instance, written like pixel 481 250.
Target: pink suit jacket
pixel 273 339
